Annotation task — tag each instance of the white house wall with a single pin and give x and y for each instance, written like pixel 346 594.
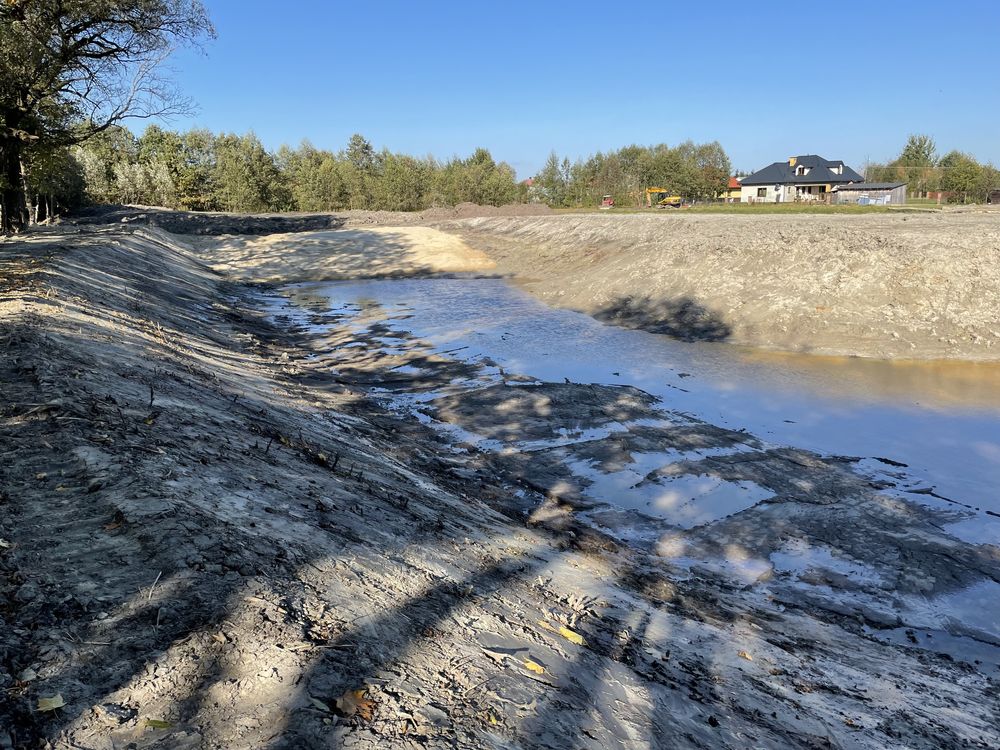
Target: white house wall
pixel 748 194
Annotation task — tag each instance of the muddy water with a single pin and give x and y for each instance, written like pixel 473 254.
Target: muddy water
pixel 925 433
pixel 942 420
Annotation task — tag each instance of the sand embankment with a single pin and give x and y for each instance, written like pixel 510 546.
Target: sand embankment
pixel 371 252
pixel 889 285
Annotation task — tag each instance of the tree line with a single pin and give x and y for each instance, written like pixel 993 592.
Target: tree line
pixel 201 171
pixel 696 172
pixel 960 176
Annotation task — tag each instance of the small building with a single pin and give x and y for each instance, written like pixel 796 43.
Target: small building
pixel 800 178
pixel 733 192
pixel 871 193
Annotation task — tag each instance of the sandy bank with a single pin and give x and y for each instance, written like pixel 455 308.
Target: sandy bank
pixel 894 286
pixel 372 252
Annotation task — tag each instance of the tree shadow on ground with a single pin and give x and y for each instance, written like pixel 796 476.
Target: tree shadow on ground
pixel 683 318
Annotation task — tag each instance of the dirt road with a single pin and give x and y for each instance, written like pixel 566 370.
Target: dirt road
pixel 212 536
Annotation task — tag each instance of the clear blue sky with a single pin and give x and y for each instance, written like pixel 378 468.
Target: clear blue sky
pixel 848 80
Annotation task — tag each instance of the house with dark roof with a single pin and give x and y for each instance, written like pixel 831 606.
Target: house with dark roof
pixel 800 178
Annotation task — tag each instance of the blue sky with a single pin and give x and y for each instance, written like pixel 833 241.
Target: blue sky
pixel 768 79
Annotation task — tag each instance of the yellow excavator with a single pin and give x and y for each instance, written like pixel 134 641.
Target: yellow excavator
pixel 662 198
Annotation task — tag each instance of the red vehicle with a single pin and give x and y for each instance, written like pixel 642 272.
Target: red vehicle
pixel 607 202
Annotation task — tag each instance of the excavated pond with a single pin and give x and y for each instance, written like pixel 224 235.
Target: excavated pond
pixel 850 485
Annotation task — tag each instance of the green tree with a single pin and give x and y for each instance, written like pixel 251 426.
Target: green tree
pixel 72 68
pixel 195 180
pixel 403 183
pixel 552 182
pixel 919 151
pixel 246 177
pixel 962 176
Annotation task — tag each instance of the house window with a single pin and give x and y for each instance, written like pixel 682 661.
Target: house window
pixel 761 192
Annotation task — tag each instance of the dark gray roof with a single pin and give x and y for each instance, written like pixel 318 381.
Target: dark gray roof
pixel 871 186
pixel 780 173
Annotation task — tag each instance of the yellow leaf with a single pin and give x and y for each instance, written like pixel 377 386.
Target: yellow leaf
pixel 158 724
pixel 569 635
pixel 51 703
pixel 572 637
pixel 745 655
pixel 534 666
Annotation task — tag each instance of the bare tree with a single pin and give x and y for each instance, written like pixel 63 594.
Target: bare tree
pixel 72 68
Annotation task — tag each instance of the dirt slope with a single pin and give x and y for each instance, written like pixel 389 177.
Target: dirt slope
pixel 210 541
pixel 369 252
pixel 914 286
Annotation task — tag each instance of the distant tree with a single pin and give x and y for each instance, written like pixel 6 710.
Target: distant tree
pixel 361 154
pixel 916 165
pixel 962 176
pixel 712 170
pixel 919 151
pixel 195 181
pixel 403 183
pixel 552 181
pixel 246 177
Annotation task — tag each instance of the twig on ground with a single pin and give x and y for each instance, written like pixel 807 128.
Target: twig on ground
pixel 149 598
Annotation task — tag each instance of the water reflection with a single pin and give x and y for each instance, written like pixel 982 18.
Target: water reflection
pixel 937 423
pixel 935 384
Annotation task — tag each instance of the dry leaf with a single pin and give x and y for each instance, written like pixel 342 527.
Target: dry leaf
pixel 354 703
pixel 571 636
pixel 319 704
pixel 51 703
pixel 158 724
pixel 744 655
pixel 534 666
